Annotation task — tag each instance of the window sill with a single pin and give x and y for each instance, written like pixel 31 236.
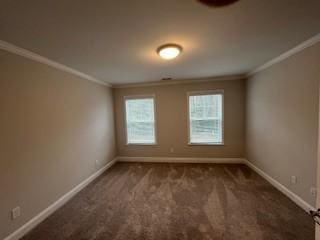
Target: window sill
pixel 206 144
pixel 141 144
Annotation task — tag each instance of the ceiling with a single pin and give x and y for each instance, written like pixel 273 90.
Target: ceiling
pixel 115 40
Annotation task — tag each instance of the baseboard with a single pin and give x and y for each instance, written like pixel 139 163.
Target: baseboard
pixel 294 197
pixel 65 198
pixel 20 232
pixel 181 160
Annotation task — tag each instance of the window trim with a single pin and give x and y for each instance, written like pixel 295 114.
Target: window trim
pixel 205 92
pixel 153 96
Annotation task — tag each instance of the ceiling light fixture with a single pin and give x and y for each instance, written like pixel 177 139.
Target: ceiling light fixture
pixel 169 51
pixel 217 3
pixel 166 79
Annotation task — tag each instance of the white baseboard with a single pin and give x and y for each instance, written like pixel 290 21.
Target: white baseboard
pixel 20 232
pixel 181 160
pixel 61 201
pixel 294 197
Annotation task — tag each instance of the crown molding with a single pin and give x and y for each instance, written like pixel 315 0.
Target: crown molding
pixel 182 81
pixel 36 57
pixel 308 43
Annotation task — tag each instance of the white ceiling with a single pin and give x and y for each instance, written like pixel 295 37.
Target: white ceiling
pixel 115 40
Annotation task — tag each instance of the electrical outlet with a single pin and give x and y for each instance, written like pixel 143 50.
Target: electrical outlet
pixel 97 163
pixel 313 192
pixel 294 180
pixel 15 213
pixel 172 149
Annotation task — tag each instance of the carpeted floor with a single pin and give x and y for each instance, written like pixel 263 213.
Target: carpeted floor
pixel 177 201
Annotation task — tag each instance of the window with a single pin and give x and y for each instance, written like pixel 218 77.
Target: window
pixel 140 120
pixel 206 117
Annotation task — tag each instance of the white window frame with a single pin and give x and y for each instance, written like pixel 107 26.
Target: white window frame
pixel 125 98
pixel 206 92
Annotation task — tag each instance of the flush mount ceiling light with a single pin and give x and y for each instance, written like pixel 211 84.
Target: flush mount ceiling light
pixel 166 79
pixel 169 51
pixel 217 3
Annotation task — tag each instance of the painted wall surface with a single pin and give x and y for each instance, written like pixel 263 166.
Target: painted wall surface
pixel 53 126
pixel 318 177
pixel 172 122
pixel 282 120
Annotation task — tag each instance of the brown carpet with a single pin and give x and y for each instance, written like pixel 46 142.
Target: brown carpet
pixel 177 201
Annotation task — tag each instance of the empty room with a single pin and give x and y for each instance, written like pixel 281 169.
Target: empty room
pixel 159 120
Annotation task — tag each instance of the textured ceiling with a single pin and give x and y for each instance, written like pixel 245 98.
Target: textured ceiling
pixel 115 40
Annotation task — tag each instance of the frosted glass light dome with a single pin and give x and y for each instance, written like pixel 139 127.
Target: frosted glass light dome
pixel 169 51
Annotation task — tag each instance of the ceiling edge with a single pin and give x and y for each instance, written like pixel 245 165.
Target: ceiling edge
pixel 182 81
pixel 38 58
pixel 308 43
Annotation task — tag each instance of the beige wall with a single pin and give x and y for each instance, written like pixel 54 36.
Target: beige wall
pixel 53 126
pixel 171 118
pixel 282 120
pixel 318 176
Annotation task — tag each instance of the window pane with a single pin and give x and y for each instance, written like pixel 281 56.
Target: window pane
pixel 205 113
pixel 140 120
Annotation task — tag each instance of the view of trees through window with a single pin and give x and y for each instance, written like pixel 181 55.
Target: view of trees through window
pixel 205 118
pixel 140 121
